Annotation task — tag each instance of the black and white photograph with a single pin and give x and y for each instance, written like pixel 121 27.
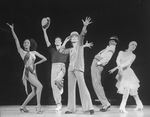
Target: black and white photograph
pixel 74 58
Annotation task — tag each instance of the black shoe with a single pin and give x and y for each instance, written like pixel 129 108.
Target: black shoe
pixel 68 112
pixel 105 109
pixel 23 110
pixel 92 112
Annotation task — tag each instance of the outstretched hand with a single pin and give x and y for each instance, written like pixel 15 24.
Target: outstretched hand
pixel 87 21
pixel 87 44
pixel 11 26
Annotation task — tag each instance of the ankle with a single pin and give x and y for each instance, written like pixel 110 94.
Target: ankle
pixel 123 111
pixel 38 106
pixel 140 107
pixel 58 104
pixel 23 107
pixel 59 107
pixel 38 109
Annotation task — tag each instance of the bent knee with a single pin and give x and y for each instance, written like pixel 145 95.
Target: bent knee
pixel 33 92
pixel 40 87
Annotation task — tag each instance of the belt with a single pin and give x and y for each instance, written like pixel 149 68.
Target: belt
pixel 58 63
pixel 96 59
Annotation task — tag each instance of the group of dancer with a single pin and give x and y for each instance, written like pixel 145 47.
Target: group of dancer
pixel 127 82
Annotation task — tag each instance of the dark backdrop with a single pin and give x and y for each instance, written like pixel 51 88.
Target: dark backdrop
pixel 128 19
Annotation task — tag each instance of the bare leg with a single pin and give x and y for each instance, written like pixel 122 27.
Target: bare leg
pixel 138 103
pixel 30 96
pixel 124 100
pixel 33 80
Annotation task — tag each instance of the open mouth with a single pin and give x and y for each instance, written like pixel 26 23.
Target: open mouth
pixel 26 46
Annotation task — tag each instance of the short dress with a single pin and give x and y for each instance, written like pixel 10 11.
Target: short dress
pixel 127 79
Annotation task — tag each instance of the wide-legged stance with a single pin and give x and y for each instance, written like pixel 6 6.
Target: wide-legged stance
pixel 73 77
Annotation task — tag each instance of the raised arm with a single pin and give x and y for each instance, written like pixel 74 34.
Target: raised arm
pixel 63 49
pixel 45 33
pixel 85 24
pixel 20 50
pixel 46 38
pixel 66 41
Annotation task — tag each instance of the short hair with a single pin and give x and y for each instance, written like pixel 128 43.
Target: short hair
pixel 58 38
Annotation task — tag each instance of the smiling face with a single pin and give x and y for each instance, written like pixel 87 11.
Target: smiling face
pixel 74 38
pixel 132 45
pixel 27 44
pixel 58 41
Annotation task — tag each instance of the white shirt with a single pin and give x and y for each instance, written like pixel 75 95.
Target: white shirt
pixel 106 54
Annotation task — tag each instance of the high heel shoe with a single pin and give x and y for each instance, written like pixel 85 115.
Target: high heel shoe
pixel 139 105
pixel 23 110
pixel 138 108
pixel 38 109
pixel 122 107
pixel 123 111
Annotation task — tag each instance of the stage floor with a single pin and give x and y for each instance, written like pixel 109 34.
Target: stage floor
pixel 49 111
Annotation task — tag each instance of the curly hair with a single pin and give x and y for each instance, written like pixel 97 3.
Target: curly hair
pixel 33 43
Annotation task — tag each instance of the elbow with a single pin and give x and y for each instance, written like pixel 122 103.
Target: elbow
pixel 85 31
pixel 45 59
pixel 18 50
pixel 48 44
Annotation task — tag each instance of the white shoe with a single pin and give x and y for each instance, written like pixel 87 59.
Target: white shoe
pixel 123 111
pixel 122 107
pixel 59 107
pixel 138 108
pixel 139 105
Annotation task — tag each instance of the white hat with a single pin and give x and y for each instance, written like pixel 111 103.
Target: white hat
pixel 45 22
pixel 74 33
